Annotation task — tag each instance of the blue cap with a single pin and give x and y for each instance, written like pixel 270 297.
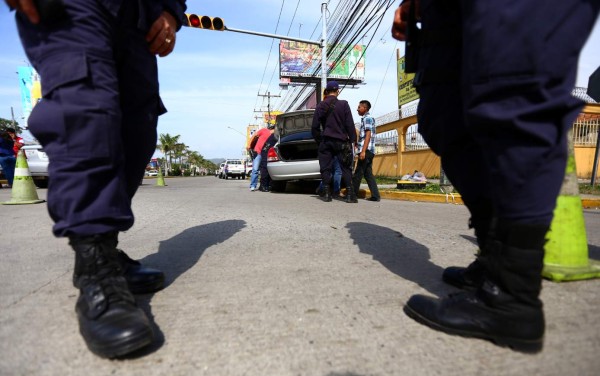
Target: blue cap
pixel 333 85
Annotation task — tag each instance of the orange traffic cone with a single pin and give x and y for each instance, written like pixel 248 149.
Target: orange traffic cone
pixel 23 189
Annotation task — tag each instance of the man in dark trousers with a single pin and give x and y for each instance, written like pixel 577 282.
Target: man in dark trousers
pixel 366 152
pixel 98 69
pixel 333 129
pixel 495 81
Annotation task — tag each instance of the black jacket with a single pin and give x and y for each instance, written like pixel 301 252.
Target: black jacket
pixel 339 123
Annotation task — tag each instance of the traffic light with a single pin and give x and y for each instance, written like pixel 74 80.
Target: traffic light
pixel 205 22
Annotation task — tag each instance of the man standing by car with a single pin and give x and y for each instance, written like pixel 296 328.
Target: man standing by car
pixel 258 140
pixel 99 74
pixel 16 139
pixel 333 129
pixel 366 151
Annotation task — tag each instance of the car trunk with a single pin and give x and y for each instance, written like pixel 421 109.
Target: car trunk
pixel 295 139
pixel 297 147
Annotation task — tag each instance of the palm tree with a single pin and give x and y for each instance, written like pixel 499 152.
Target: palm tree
pixel 166 146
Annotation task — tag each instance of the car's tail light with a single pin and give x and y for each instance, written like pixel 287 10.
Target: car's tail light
pixel 272 155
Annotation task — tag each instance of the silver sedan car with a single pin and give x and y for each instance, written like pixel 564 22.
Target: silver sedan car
pixel 37 161
pixel 294 156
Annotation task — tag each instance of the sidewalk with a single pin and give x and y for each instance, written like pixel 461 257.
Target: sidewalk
pixel 389 191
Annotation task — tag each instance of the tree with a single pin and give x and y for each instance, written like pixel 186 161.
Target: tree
pixel 167 146
pixel 5 123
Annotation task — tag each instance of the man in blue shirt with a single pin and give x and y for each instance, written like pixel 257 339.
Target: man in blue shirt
pixel 365 151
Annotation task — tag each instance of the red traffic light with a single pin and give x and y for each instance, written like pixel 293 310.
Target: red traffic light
pixel 205 22
pixel 193 20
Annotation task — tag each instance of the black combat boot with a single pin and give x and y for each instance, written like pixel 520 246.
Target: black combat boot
pixel 471 277
pixel 140 279
pixel 327 196
pixel 109 320
pixel 351 195
pixel 506 309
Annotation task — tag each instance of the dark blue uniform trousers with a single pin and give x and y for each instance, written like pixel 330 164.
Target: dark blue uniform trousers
pixel 97 119
pixel 495 80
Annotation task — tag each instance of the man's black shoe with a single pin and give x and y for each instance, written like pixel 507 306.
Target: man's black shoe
pixel 109 320
pixel 465 314
pixel 140 279
pixel 262 189
pixel 374 199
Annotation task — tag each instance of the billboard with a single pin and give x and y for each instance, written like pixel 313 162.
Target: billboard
pixel 406 90
pixel 31 89
pixel 297 59
pixel 271 119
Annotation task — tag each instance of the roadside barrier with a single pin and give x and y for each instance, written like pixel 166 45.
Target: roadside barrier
pixel 566 252
pixel 160 179
pixel 23 189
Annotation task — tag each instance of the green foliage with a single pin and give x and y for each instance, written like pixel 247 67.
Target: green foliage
pixel 588 189
pixel 5 123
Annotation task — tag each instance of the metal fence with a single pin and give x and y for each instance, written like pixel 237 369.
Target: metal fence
pixel 585 132
pixel 386 142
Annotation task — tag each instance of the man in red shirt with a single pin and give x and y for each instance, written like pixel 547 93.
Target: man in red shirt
pixel 18 141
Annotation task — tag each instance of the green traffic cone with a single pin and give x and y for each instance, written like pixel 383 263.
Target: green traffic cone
pixel 160 180
pixel 566 251
pixel 23 188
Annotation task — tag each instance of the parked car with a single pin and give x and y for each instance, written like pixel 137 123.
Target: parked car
pixel 294 156
pixel 37 161
pixel 235 168
pixel 151 173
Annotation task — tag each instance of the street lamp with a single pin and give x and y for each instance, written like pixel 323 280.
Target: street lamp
pixel 235 130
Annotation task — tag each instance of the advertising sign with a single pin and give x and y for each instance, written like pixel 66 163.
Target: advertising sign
pixel 31 89
pixel 297 59
pixel 406 90
pixel 272 118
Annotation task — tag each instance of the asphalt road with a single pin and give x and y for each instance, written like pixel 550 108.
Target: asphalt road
pixel 276 284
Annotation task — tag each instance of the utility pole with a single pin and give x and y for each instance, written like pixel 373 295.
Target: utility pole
pixel 323 51
pixel 268 96
pixel 12 114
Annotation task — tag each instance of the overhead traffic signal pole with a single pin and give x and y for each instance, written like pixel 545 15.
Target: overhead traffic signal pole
pixel 217 23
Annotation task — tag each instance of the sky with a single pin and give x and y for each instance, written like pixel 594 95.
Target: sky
pixel 212 81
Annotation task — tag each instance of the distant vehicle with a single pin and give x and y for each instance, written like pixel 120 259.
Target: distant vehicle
pixel 294 156
pixel 151 173
pixel 37 161
pixel 220 171
pixel 235 168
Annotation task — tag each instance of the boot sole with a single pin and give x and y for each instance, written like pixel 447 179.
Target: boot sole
pixel 521 345
pixel 125 346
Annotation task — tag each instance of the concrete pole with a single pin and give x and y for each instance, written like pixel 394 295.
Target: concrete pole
pixel 323 48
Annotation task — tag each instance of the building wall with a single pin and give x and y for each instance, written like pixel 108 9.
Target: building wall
pixel 401 162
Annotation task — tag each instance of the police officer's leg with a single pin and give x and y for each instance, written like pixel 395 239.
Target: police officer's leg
pixel 79 123
pixel 442 124
pixel 325 154
pixel 519 108
pixel 344 156
pixel 140 108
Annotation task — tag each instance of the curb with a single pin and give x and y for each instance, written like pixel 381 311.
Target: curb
pixel 587 203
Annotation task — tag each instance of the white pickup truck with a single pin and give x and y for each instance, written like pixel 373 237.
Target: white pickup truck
pixel 235 168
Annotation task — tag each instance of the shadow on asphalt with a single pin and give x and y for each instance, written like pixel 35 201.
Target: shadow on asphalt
pixel 176 256
pixel 399 254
